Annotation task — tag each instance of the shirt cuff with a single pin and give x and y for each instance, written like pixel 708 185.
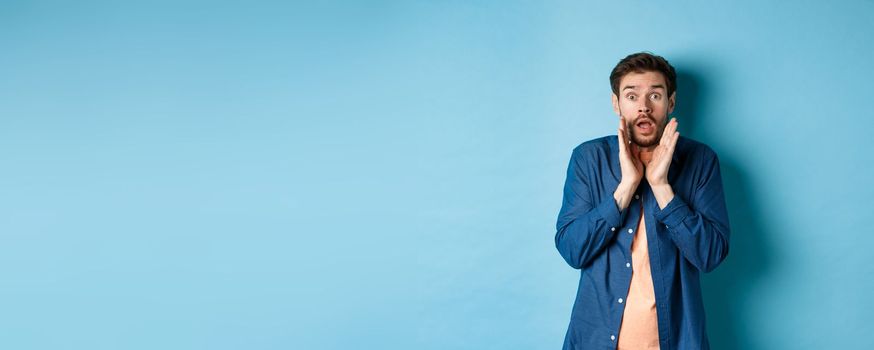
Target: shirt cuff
pixel 611 213
pixel 674 213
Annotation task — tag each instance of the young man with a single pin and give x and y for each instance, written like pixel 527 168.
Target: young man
pixel 643 216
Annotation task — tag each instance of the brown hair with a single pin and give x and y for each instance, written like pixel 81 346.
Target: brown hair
pixel 643 62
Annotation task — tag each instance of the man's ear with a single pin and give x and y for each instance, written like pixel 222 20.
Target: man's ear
pixel 671 102
pixel 615 100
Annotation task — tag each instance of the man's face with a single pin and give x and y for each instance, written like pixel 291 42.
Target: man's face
pixel 643 103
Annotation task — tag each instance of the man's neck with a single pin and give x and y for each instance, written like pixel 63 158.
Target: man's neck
pixel 646 155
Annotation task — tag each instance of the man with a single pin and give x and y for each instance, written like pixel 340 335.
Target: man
pixel 643 216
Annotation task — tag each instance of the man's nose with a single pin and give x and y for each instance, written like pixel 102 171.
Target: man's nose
pixel 644 108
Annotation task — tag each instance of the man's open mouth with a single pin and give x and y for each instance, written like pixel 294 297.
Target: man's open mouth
pixel 645 126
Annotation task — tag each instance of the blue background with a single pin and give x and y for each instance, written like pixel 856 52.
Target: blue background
pixel 387 174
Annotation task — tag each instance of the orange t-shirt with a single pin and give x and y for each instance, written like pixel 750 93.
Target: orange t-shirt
pixel 639 329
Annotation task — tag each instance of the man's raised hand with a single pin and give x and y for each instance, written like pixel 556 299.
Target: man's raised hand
pixel 657 169
pixel 631 166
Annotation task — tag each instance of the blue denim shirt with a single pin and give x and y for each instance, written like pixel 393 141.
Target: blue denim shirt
pixel 689 236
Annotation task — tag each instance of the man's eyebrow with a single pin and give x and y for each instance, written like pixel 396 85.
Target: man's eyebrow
pixel 652 87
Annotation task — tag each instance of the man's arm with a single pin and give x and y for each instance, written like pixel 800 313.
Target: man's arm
pixel 584 229
pixel 702 233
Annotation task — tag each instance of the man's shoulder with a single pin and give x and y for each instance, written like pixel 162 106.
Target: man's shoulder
pixel 692 149
pixel 595 146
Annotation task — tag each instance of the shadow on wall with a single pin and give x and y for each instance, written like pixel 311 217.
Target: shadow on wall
pixel 727 289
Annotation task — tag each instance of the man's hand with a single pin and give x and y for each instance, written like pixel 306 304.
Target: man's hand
pixel 631 166
pixel 657 169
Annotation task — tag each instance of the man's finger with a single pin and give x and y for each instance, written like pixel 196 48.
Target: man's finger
pixel 671 146
pixel 674 133
pixel 668 132
pixel 621 135
pixel 621 140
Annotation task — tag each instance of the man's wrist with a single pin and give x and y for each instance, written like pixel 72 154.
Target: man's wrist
pixel 623 194
pixel 663 193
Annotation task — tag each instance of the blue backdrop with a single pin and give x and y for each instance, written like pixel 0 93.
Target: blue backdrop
pixel 387 174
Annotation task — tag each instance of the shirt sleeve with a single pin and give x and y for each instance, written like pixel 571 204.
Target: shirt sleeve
pixel 700 227
pixel 584 228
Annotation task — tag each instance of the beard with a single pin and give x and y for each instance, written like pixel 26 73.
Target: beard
pixel 645 140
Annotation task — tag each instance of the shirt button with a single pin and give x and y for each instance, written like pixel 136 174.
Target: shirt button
pixel 630 231
pixel 612 229
pixel 666 226
pixel 627 264
pixel 612 337
pixel 636 197
pixel 620 300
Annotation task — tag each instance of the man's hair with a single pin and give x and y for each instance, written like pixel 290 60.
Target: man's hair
pixel 643 62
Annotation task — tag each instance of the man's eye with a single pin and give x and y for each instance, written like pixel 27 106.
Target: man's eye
pixel 630 97
pixel 656 96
